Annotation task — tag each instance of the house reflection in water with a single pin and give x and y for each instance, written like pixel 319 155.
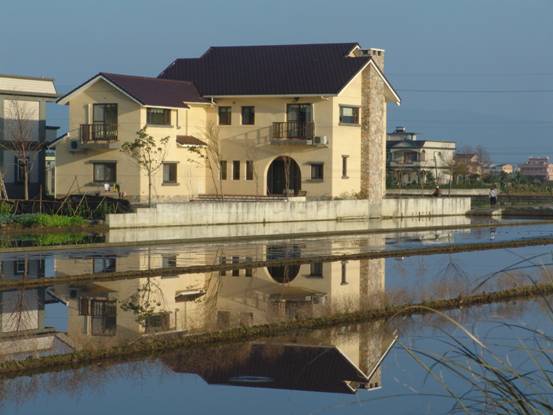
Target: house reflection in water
pixel 109 313
pixel 22 330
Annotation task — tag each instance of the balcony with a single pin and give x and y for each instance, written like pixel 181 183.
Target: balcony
pixel 98 133
pixel 293 131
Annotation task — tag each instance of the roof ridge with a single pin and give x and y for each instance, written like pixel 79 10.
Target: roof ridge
pixel 285 45
pixel 153 78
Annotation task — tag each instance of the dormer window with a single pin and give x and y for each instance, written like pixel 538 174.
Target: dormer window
pixel 158 116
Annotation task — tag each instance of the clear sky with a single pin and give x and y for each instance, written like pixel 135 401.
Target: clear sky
pixel 440 54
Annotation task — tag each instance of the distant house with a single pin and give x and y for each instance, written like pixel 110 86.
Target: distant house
pixel 537 168
pixel 410 160
pixel 499 169
pixel 289 120
pixel 23 130
pixel 468 166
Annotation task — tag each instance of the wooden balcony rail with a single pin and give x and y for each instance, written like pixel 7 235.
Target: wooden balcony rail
pixel 98 132
pixel 293 129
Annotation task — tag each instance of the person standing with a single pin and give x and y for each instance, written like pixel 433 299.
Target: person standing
pixel 493 196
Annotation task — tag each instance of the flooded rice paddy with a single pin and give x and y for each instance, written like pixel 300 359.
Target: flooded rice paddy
pixel 413 363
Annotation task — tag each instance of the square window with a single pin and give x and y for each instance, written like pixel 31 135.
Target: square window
pixel 248 115
pixel 236 170
pixel 105 172
pixel 223 168
pixel 349 115
pixel 104 264
pixel 169 172
pixel 169 261
pixel 316 270
pixel 158 116
pixel 249 170
pixel 317 171
pixel 225 115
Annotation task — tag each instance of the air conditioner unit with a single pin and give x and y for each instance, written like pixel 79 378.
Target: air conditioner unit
pixel 320 140
pixel 75 145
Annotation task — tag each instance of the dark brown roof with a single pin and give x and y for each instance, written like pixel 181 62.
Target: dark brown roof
pixel 270 70
pixel 189 140
pixel 151 91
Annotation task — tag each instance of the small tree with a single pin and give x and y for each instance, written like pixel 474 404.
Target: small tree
pixel 22 138
pixel 148 153
pixel 211 153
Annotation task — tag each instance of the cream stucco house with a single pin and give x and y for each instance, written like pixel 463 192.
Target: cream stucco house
pixel 251 120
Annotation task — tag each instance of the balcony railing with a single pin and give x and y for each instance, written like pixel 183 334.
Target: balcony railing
pixel 98 132
pixel 293 130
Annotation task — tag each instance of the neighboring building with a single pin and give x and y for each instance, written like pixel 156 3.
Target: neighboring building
pixel 410 160
pixel 537 168
pixel 22 130
pixel 467 166
pixel 499 169
pixel 288 119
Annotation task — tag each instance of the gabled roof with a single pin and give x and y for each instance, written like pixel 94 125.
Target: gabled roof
pixel 146 90
pixel 27 86
pixel 314 69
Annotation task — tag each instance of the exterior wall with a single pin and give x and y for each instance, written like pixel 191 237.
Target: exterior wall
pixel 32 112
pixel 74 169
pixel 213 213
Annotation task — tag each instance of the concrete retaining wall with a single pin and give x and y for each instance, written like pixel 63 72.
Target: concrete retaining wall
pixel 219 213
pixel 445 191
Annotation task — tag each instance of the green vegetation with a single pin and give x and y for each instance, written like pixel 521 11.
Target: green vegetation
pixel 41 219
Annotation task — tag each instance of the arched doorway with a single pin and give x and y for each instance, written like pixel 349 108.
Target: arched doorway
pixel 283 273
pixel 283 177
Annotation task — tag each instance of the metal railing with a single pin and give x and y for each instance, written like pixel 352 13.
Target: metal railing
pixel 293 130
pixel 98 132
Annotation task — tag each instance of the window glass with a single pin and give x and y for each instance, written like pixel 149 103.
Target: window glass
pixel 236 170
pixel 104 173
pixel 158 116
pixel 248 115
pixel 169 172
pixel 345 166
pixel 249 170
pixel 349 115
pixel 224 115
pixel 223 168
pixel 317 171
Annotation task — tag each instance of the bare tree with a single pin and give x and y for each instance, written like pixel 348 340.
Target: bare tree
pixel 149 153
pixel 211 153
pixel 22 139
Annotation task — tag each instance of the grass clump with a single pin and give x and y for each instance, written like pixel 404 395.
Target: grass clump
pixel 41 219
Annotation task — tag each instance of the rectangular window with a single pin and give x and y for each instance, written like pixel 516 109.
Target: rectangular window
pixel 317 171
pixel 104 114
pixel 236 170
pixel 248 115
pixel 19 267
pixel 225 115
pixel 169 261
pixel 169 173
pixel 235 262
pixel 249 269
pixel 104 264
pixel 21 165
pixel 157 322
pixel 223 261
pixel 223 168
pixel 316 270
pixel 349 115
pixel 249 170
pixel 104 172
pixel 345 167
pixel 158 116
pixel 344 273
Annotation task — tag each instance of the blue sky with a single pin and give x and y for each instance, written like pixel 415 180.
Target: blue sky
pixel 448 46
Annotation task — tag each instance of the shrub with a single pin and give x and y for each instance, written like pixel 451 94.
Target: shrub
pixel 40 219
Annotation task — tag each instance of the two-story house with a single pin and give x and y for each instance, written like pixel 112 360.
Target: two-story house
pixel 249 120
pixel 23 133
pixel 411 160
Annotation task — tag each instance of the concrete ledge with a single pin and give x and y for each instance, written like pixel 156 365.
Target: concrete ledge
pixel 224 213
